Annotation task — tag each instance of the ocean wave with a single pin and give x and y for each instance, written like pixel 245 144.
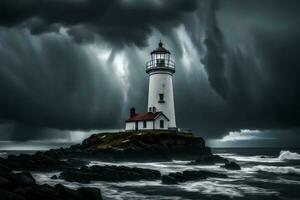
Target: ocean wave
pixel 287 155
pixel 277 170
pixel 257 158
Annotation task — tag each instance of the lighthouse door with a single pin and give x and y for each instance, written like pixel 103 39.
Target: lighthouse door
pixel 136 126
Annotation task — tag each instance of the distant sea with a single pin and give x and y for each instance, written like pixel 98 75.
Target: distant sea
pixel 267 173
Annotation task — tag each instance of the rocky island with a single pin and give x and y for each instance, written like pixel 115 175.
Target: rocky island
pixel 16 181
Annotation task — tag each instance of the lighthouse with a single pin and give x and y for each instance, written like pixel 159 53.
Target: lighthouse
pixel 160 110
pixel 160 95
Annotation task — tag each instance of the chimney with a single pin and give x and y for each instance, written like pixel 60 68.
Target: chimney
pixel 132 112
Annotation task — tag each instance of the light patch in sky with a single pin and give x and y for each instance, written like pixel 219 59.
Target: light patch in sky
pixel 101 53
pixel 120 64
pixel 189 53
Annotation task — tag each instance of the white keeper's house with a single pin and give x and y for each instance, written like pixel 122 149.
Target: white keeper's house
pixel 161 110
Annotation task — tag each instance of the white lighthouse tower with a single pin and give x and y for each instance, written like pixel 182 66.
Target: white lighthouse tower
pixel 160 113
pixel 160 97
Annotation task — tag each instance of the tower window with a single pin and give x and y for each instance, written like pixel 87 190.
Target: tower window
pixel 161 98
pixel 161 123
pixel 144 124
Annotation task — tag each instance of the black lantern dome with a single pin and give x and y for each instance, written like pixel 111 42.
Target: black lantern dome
pixel 160 60
pixel 160 49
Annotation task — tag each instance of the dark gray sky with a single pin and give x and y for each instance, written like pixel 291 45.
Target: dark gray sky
pixel 79 65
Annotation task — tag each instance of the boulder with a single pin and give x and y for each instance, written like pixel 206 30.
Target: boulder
pixel 109 173
pixel 54 177
pixel 166 179
pixel 22 186
pixel 231 166
pixel 67 193
pixel 189 175
pixel 6 195
pixel 193 175
pixel 179 177
pixel 76 176
pixel 89 193
pixel 4 170
pixel 38 192
pixel 209 160
pixel 6 184
pixel 23 179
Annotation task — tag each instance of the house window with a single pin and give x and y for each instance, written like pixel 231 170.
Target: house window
pixel 161 98
pixel 150 110
pixel 161 123
pixel 144 124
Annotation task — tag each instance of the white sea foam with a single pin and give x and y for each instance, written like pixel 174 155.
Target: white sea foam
pixel 259 158
pixel 287 155
pixel 283 156
pixel 277 170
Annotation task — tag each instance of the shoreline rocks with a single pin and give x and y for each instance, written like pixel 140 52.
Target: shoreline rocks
pixel 189 175
pixel 124 146
pixel 109 174
pixel 22 186
pixel 231 166
pixel 209 160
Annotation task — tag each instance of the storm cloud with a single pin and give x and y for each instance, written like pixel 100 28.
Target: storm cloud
pixel 118 21
pixel 79 64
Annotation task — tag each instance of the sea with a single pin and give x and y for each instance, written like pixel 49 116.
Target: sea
pixel 267 173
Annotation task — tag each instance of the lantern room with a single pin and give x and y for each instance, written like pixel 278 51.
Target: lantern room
pixel 160 60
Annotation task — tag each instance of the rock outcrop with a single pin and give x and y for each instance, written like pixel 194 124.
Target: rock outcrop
pixel 141 146
pixel 231 166
pixel 189 175
pixel 22 186
pixel 209 160
pixel 109 174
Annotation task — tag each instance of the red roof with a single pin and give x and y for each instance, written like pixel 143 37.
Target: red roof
pixel 148 116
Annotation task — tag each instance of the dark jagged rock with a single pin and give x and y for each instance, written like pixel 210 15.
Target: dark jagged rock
pixel 166 179
pixel 140 146
pixel 231 166
pixel 179 177
pixel 54 177
pixel 89 193
pixel 22 186
pixel 6 195
pixel 4 170
pixel 189 175
pixel 41 161
pixel 209 160
pixel 122 146
pixel 109 173
pixel 23 179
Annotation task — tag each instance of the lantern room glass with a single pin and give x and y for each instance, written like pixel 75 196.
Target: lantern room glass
pixel 160 59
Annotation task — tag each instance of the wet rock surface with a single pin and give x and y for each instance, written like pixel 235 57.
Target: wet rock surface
pixel 141 146
pixel 22 186
pixel 231 166
pixel 72 164
pixel 189 175
pixel 109 174
pixel 209 160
